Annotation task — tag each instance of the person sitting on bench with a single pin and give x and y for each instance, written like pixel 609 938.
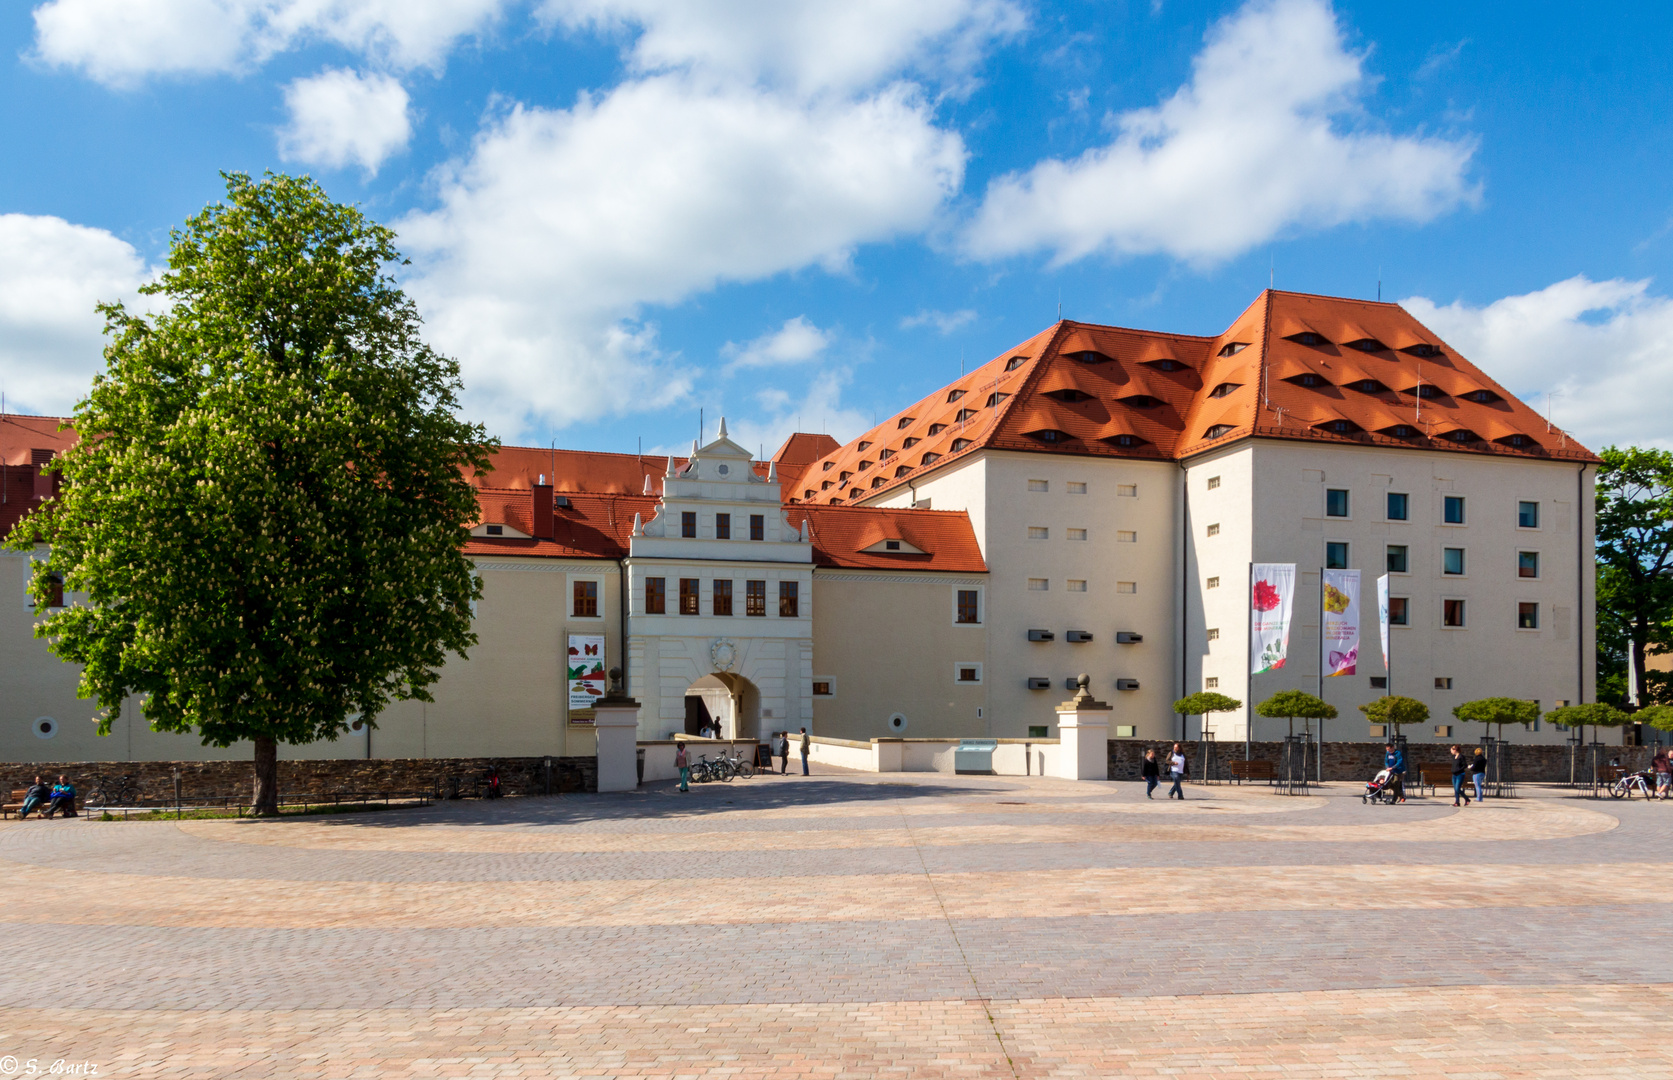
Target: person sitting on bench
pixel 34 798
pixel 63 798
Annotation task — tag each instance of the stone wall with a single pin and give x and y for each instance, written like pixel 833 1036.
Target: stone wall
pixel 233 779
pixel 1530 763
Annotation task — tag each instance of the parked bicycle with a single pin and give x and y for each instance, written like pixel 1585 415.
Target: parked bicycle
pixel 113 791
pixel 1641 782
pixel 741 765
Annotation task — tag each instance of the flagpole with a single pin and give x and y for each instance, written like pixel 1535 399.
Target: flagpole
pixel 1249 687
pixel 1322 655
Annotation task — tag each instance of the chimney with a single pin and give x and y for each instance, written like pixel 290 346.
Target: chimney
pixel 543 526
pixel 43 480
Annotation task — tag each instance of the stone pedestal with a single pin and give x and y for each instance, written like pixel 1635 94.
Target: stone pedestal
pixel 616 720
pixel 1083 725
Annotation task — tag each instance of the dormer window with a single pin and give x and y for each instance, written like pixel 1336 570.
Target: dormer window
pixel 1049 435
pixel 964 414
pixel 807 493
pixel 1340 427
pixel 1223 389
pixel 1367 345
pixel 910 443
pixel 1482 397
pixel 885 455
pixel 995 398
pixel 1370 386
pixel 954 396
pixel 1518 440
pixel 1462 435
pixel 1015 362
pixel 863 447
pixel 960 444
pixel 929 459
pixel 1216 431
pixel 878 481
pixel 1233 348
pixel 905 422
pixel 1401 431
pixel 826 486
pixel 1088 356
pixel 1422 349
pixel 1307 379
pixel 826 467
pixel 864 465
pixel 936 429
pixel 1126 441
pixel 1141 401
pixel 495 530
pixel 1164 365
pixel 891 545
pixel 835 501
pixel 1426 391
pixel 855 493
pixel 1308 338
pixel 1069 395
pixel 902 470
pixel 842 478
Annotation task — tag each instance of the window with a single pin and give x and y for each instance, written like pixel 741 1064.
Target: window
pixel 1126 491
pixel 1038 731
pixel 1214 530
pixel 723 526
pixel 1527 616
pixel 1213 482
pixel 1443 684
pixel 1336 555
pixel 1223 389
pixel 995 398
pixel 891 545
pixel 688 596
pixel 1379 682
pixel 1452 561
pixel 1213 582
pixel 1233 348
pixel 1038 584
pixel 822 688
pixel 1399 506
pixel 864 446
pixel 907 444
pixel 1039 532
pixel 1014 362
pixel 1452 614
pixel 656 596
pixel 1336 502
pixel 1128 587
pixel 1398 563
pixel 586 600
pixel 1211 683
pixel 954 396
pixel 1453 510
pixel 1077 534
pixel 902 470
pixel 905 422
pixel 1076 487
pixel 1076 585
pixel 789 600
pixel 723 596
pixel 495 530
pixel 885 455
pixel 1126 536
pixel 960 444
pixel 936 429
pixel 1039 485
pixel 929 459
pixel 755 598
pixel 1216 431
pixel 1443 731
pixel 55 592
pixel 1527 564
pixel 969 607
pixel 1399 611
pixel 1527 515
pixel 1214 633
pixel 688 523
pixel 757 526
pixel 967 673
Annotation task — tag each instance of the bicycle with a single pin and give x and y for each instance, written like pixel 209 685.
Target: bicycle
pixel 703 771
pixel 113 791
pixel 1626 785
pixel 740 765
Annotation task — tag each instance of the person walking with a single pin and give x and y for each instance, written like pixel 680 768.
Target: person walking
pixel 1460 769
pixel 1395 762
pixel 1151 770
pixel 1478 773
pixel 804 751
pixel 783 753
pixel 682 761
pixel 1176 768
pixel 1663 766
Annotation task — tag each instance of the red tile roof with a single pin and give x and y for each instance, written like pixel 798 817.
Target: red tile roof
pixel 590 527
pixel 1104 391
pixel 841 533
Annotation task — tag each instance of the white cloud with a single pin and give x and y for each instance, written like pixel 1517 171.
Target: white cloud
pixel 341 117
pixel 778 414
pixel 1603 348
pixel 52 273
pixel 796 342
pixel 944 322
pixel 120 42
pixel 561 223
pixel 1254 146
pixel 809 46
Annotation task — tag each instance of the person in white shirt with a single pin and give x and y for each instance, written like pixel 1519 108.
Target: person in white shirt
pixel 1176 767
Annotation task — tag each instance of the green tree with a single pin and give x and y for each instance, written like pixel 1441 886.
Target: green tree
pixel 1296 703
pixel 1659 717
pixel 1396 710
pixel 1204 702
pixel 1635 570
pixel 1597 714
pixel 268 506
pixel 1497 710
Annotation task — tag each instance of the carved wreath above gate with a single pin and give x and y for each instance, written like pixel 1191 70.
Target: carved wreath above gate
pixel 724 654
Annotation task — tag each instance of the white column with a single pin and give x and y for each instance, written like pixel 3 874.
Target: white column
pixel 1083 725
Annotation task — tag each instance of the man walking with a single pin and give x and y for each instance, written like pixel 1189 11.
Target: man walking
pixel 1176 766
pixel 1395 762
pixel 804 751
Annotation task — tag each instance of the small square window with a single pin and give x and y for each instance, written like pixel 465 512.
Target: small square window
pixel 1527 515
pixel 1336 502
pixel 656 596
pixel 969 607
pixel 688 524
pixel 757 526
pixel 586 600
pixel 1126 536
pixel 1038 584
pixel 1399 506
pixel 1379 682
pixel 723 596
pixel 891 545
pixel 1452 510
pixel 1214 583
pixel 1336 555
pixel 1039 485
pixel 755 599
pixel 1038 532
pixel 1399 611
pixel 495 530
pixel 1443 684
pixel 1213 482
pixel 1131 491
pixel 1077 534
pixel 723 526
pixel 1452 561
pixel 688 596
pixel 1527 616
pixel 822 688
pixel 1075 487
pixel 1452 613
pixel 967 673
pixel 1214 633
pixel 1038 731
pixel 789 600
pixel 1443 731
pixel 1211 683
pixel 1398 562
pixel 1076 585
pixel 1527 564
pixel 1214 530
pixel 1127 587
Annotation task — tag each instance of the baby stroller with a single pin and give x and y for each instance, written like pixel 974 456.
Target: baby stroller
pixel 1379 788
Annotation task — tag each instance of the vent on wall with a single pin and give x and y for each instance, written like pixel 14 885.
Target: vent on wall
pixel 1039 684
pixel 1078 635
pixel 1128 637
pixel 1041 635
pixel 1126 684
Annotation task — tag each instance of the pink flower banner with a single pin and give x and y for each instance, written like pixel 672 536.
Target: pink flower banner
pixel 1382 615
pixel 1272 598
pixel 1339 628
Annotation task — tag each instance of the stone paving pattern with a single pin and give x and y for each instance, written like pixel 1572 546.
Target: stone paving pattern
pixel 853 926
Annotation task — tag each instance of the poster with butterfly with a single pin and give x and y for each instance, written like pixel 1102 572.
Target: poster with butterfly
pixel 1339 611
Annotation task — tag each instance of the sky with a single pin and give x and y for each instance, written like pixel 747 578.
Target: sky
pixel 623 214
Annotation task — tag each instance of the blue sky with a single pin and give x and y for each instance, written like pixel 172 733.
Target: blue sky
pixel 622 211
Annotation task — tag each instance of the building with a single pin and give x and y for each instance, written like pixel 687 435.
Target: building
pixel 1090 501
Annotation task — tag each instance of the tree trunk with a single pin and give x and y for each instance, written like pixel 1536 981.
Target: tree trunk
pixel 265 799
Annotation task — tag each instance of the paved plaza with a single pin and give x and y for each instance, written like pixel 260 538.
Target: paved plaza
pixel 853 926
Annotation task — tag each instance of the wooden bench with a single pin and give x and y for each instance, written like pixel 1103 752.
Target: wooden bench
pixel 1434 776
pixel 1240 771
pixel 14 805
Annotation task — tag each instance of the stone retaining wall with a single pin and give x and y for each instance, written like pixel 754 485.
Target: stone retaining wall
pixel 1530 763
pixel 224 779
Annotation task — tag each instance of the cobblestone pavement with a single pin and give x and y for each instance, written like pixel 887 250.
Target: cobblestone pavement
pixel 852 926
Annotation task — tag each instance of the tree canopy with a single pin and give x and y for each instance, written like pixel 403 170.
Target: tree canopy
pixel 1497 710
pixel 1657 716
pixel 1634 571
pixel 268 506
pixel 1596 714
pixel 1296 705
pixel 1396 710
pixel 1204 702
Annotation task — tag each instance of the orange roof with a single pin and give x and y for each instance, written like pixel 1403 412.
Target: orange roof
pixel 841 534
pixel 1291 366
pixel 590 527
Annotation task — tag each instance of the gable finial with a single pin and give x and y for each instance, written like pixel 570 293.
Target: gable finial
pixel 722 433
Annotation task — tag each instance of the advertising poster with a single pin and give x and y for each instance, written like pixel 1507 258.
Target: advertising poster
pixel 1339 624
pixel 1382 615
pixel 586 672
pixel 1272 599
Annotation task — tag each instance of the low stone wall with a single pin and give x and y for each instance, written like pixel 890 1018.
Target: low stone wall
pixel 1530 763
pixel 233 779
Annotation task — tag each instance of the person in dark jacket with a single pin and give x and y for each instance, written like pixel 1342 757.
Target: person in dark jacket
pixel 1460 770
pixel 783 753
pixel 1151 770
pixel 804 751
pixel 36 797
pixel 1395 762
pixel 1478 773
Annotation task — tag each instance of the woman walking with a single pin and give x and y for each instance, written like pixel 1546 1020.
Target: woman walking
pixel 1151 770
pixel 1176 767
pixel 1663 765
pixel 1460 769
pixel 1478 773
pixel 682 761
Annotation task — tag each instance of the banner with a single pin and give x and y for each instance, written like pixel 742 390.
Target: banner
pixel 586 670
pixel 1339 622
pixel 1271 597
pixel 1382 615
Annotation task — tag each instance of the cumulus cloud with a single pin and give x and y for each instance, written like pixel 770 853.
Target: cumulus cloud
pixel 943 322
pixel 121 42
pixel 1257 144
pixel 341 117
pixel 52 273
pixel 1604 349
pixel 796 342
